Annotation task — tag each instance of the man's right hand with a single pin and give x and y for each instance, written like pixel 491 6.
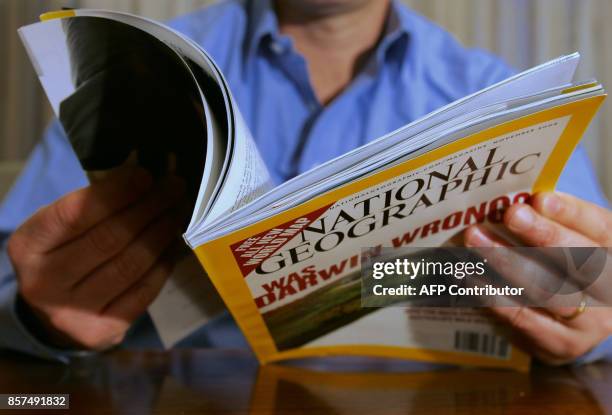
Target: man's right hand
pixel 90 263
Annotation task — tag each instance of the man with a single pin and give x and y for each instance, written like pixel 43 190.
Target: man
pixel 313 80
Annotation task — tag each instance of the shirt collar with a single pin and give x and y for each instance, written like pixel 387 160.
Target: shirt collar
pixel 263 25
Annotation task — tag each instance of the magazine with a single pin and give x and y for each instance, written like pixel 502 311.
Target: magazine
pixel 286 259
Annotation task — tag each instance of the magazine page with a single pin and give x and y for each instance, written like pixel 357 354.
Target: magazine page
pixel 409 147
pixel 186 302
pixel 293 281
pixel 548 76
pixel 244 174
pixel 136 102
pixel 247 178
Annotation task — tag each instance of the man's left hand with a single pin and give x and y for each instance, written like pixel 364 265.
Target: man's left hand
pixel 554 220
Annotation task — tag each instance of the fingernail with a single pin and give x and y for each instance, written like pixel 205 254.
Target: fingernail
pixel 551 204
pixel 475 237
pixel 522 219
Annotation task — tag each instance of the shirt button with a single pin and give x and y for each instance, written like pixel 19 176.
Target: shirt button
pixel 277 48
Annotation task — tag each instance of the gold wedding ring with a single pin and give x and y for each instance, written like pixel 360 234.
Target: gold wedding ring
pixel 579 310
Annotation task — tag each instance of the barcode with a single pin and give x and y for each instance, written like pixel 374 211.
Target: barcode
pixel 483 343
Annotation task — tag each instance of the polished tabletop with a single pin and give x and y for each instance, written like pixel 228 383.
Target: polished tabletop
pixel 231 382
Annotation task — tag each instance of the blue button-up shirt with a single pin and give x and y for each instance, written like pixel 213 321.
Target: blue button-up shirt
pixel 416 68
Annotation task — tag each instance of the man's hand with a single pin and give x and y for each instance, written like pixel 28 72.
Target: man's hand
pixel 555 220
pixel 89 264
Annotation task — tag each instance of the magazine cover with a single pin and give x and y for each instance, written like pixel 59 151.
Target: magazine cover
pixel 293 281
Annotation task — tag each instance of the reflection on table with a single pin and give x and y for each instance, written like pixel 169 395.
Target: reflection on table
pixel 230 381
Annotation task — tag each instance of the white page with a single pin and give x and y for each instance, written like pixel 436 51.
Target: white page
pixel 187 300
pixel 247 176
pixel 443 137
pixel 219 163
pixel 550 75
pixel 46 45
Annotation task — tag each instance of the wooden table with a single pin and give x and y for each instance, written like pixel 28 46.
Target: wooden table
pixel 230 382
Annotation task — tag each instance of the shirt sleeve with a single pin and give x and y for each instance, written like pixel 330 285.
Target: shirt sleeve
pixel 51 171
pixel 579 179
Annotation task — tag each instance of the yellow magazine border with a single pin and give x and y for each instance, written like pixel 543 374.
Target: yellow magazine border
pixel 58 14
pixel 217 258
